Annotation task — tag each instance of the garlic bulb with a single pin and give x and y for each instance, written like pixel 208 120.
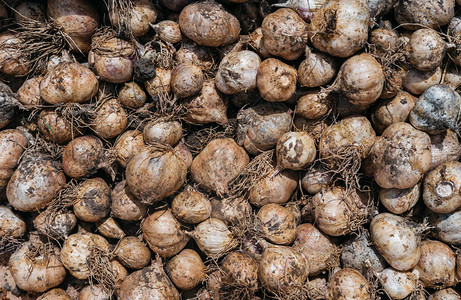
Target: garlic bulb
pixel 92 200
pixel 168 31
pixel 186 80
pixel 353 132
pixel 163 233
pixel 11 225
pixel 447 227
pixel 195 22
pixel 208 106
pixel 359 253
pixel 416 82
pixel 240 269
pixel 436 110
pixel 36 267
pixel 191 206
pixel 348 284
pixel 316 69
pixel 132 95
pixel 318 248
pixel 295 150
pixel 445 147
pixel 399 201
pixel 153 174
pixel 34 183
pixel 77 249
pixel 426 49
pixel 436 265
pixel 186 269
pixel 283 269
pixel 361 79
pixel 397 240
pixel 277 224
pixel 110 228
pixel 339 212
pixel 340 27
pixel 164 132
pixel 276 80
pixel 124 205
pixel 213 237
pixel 149 283
pixel 401 156
pixel 442 186
pixel 284 34
pixel 237 72
pixel 397 284
pixel 132 253
pixel 127 145
pixel 305 8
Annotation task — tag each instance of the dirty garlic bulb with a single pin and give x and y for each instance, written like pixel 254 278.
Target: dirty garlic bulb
pixel 168 31
pixel 442 186
pixel 284 34
pixel 295 150
pixel 436 265
pixel 186 80
pixel 163 233
pixel 213 237
pixel 36 267
pixel 237 72
pixel 348 284
pixel 399 201
pixel 395 166
pixel 397 284
pixel 283 269
pixel 397 240
pixel 191 206
pixel 277 224
pixel 276 80
pixel 426 49
pixel 340 27
pixel 186 269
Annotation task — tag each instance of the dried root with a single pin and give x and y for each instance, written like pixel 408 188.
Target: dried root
pixel 260 167
pixel 44 148
pixel 102 37
pixel 344 165
pixel 419 292
pixel 197 140
pixel 100 269
pixel 9 244
pixel 163 108
pixel 77 114
pixel 316 288
pixel 160 147
pixel 159 53
pixel 293 292
pixel 120 16
pixel 220 286
pixel 39 41
pixel 59 205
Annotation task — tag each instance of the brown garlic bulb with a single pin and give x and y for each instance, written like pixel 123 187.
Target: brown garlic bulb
pixel 277 224
pixel 186 269
pixel 186 80
pixel 163 233
pixel 168 31
pixel 125 206
pixel 191 206
pixel 132 253
pixel 284 34
pixel 92 200
pixel 276 80
pixel 442 188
